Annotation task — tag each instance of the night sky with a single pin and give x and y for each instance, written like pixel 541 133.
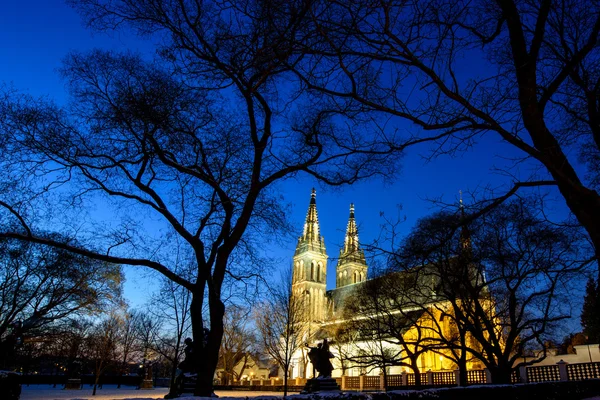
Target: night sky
pixel 37 34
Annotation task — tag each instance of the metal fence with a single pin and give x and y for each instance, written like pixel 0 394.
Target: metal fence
pixel 583 371
pixel 444 378
pixel 543 373
pixel 476 376
pixel 561 371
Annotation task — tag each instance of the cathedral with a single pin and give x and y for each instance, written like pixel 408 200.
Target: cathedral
pixel 324 308
pixel 310 264
pixel 310 276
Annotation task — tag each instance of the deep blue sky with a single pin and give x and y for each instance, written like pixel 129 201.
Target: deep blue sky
pixel 37 34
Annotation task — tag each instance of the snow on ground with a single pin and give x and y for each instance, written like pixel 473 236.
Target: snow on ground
pixel 110 392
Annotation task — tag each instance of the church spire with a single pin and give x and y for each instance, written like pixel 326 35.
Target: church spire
pixel 310 266
pixel 311 238
pixel 311 232
pixel 351 240
pixel 352 266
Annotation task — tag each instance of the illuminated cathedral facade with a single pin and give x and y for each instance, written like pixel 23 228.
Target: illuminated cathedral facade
pixel 310 264
pixel 324 307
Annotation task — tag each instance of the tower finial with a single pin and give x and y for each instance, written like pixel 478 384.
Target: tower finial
pixel 352 266
pixel 351 240
pixel 311 225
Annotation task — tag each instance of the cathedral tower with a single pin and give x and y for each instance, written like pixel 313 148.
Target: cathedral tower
pixel 310 265
pixel 352 266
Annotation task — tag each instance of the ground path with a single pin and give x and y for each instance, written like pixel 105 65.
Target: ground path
pixel 110 392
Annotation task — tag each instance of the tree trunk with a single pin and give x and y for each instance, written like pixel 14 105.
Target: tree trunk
pixel 385 379
pixel 206 357
pixel 285 380
pixel 462 368
pixel 463 375
pixel 501 375
pixel 96 379
pixel 415 369
pixel 172 386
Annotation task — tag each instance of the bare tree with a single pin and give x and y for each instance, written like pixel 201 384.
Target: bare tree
pixel 343 340
pixel 126 342
pixel 504 282
pixel 282 323
pixel 101 346
pixel 391 320
pixel 535 84
pixel 43 287
pixel 171 306
pixel 146 330
pixel 238 348
pixel 195 140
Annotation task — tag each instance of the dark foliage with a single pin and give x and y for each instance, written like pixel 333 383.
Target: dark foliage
pixel 590 314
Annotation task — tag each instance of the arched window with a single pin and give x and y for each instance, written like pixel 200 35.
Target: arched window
pixel 312 271
pixel 362 277
pixel 355 276
pixel 302 271
pixel 319 272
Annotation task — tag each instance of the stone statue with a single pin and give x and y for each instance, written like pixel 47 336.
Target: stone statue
pixel 9 346
pixel 319 357
pixel 188 364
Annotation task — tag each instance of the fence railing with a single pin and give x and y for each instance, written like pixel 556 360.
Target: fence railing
pixel 543 373
pixel 444 378
pixel 561 371
pixel 477 376
pixel 583 371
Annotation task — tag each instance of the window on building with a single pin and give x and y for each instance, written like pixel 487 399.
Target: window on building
pixel 312 271
pixel 319 272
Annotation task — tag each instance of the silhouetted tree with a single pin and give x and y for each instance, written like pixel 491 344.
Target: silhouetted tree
pixel 523 71
pixel 238 348
pixel 126 342
pixel 590 313
pixel 389 329
pixel 101 346
pixel 171 306
pixel 42 288
pixel 195 140
pixel 282 323
pixel 504 282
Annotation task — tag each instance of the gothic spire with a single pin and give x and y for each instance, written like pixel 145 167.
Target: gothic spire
pixel 311 239
pixel 351 250
pixel 311 232
pixel 351 240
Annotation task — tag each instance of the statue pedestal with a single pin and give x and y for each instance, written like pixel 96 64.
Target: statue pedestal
pixel 147 384
pixel 320 385
pixel 73 384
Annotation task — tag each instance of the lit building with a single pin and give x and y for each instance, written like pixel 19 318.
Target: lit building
pixel 325 308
